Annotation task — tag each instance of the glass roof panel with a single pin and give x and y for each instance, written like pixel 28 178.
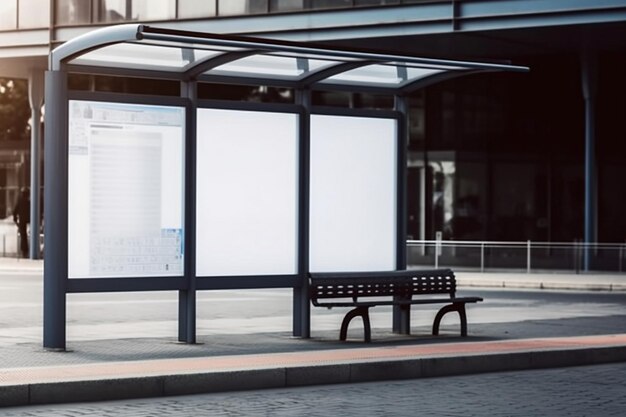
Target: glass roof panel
pixel 371 74
pixel 381 74
pixel 138 56
pixel 262 65
pixel 318 64
pixel 414 74
pixel 272 66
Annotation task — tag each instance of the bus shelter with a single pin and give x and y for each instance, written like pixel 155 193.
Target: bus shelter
pixel 161 193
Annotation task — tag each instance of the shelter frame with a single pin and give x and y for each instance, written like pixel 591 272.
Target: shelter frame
pixel 73 57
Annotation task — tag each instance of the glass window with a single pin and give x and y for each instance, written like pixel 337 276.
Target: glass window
pixel 28 19
pixel 286 5
pixel 374 2
pixel 112 11
pixel 329 4
pixel 153 9
pixel 239 7
pixel 69 12
pixel 8 14
pixel 193 8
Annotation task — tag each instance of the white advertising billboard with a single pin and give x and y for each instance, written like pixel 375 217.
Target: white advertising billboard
pixel 353 202
pixel 247 193
pixel 126 182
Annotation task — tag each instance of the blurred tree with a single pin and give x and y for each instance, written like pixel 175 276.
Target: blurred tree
pixel 14 110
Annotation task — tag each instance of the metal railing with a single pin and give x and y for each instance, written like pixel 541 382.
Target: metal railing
pixel 483 256
pixel 521 255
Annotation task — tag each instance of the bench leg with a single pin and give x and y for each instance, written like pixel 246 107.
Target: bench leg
pixel 401 317
pixel 459 308
pixel 358 311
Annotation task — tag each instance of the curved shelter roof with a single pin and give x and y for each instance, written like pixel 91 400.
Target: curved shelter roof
pixel 135 49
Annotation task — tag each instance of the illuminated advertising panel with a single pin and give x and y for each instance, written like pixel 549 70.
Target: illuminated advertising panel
pixel 353 200
pixel 247 193
pixel 126 174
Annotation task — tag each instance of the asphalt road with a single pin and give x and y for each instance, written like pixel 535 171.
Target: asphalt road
pixel 92 317
pixel 596 391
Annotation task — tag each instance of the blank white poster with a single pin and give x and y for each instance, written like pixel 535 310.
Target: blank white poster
pixel 353 194
pixel 247 193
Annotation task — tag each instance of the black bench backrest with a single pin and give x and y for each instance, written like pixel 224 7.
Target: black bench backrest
pixel 373 284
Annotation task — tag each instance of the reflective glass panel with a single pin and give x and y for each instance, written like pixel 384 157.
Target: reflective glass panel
pixel 130 55
pixel 381 74
pixel 241 7
pixel 353 194
pixel 374 2
pixel 327 4
pixel 72 12
pixel 376 74
pixel 247 198
pixel 153 9
pixel 264 65
pixel 112 11
pixel 313 65
pixel 417 73
pixel 8 14
pixel 30 19
pixel 194 8
pixel 286 5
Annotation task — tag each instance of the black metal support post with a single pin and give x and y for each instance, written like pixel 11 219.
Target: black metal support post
pixel 301 304
pixel 55 272
pixel 401 314
pixel 187 297
pixel 589 85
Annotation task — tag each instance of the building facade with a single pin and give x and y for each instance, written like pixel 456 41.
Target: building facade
pixel 503 157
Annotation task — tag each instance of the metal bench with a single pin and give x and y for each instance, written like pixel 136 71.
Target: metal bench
pixel 363 290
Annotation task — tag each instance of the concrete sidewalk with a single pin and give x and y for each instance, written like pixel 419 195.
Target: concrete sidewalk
pixel 131 368
pixel 20 265
pixel 544 280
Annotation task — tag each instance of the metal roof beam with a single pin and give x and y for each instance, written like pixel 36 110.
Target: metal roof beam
pixel 195 69
pixel 324 73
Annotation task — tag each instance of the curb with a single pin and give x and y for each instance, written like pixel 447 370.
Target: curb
pixel 542 285
pixel 102 389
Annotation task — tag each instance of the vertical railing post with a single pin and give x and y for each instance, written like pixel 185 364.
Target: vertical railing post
pixel 577 255
pixel 528 255
pixel 482 256
pixel 438 236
